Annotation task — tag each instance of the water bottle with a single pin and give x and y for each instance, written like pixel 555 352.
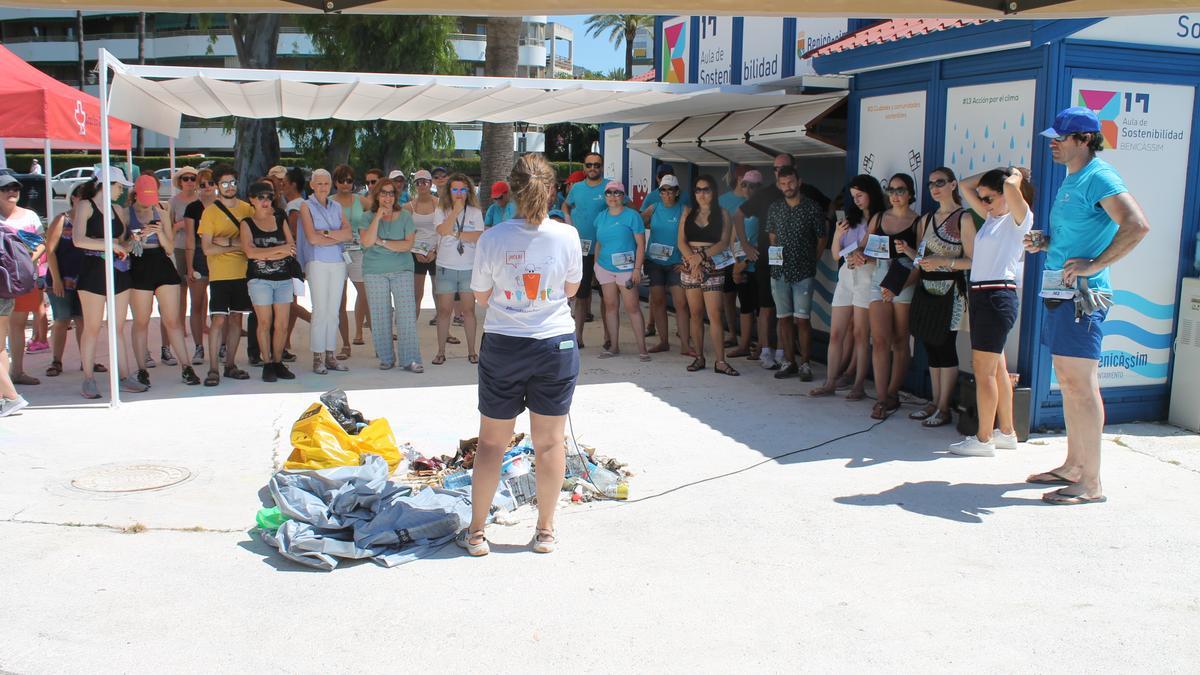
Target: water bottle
pixel 609 483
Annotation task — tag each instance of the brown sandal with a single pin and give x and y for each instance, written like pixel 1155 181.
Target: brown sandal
pixel 723 368
pixel 880 412
pixel 55 369
pixel 823 390
pixel 439 359
pixel 696 365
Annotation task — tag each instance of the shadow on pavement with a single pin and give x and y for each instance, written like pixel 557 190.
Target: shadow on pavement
pixel 960 502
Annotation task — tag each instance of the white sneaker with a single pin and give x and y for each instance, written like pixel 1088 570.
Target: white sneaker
pixel 9 406
pixel 971 446
pixel 767 360
pixel 1004 441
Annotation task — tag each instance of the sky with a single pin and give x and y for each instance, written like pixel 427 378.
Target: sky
pixel 593 53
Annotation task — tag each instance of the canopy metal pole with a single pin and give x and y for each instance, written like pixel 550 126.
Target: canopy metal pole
pixel 47 172
pixel 171 156
pixel 129 161
pixel 109 275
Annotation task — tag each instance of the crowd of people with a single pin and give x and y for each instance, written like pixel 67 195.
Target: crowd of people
pixel 737 259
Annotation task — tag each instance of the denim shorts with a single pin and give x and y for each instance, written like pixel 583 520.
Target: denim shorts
pixel 66 307
pixel 661 275
pixel 792 299
pixel 1067 337
pixel 517 373
pixel 451 281
pixel 6 306
pixel 270 292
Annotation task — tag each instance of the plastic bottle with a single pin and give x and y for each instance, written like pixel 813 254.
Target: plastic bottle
pixel 609 483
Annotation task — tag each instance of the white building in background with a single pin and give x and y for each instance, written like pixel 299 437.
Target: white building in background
pixel 48 39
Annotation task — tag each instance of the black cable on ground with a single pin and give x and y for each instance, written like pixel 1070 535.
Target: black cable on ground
pixel 735 472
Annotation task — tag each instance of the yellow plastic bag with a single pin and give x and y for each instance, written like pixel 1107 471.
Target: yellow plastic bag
pixel 321 443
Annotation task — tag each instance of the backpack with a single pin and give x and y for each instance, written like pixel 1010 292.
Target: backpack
pixel 17 271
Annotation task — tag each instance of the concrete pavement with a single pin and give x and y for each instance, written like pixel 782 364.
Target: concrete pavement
pixel 876 552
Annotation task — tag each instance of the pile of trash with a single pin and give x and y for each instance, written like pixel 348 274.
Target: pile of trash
pixel 334 498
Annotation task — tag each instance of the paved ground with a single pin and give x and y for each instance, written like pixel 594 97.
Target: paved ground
pixel 877 552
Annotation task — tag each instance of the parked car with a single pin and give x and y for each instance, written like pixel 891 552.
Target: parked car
pixel 33 191
pixel 65 181
pixel 164 183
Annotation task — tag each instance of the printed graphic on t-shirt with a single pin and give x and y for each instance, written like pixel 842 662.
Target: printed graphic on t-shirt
pixel 525 279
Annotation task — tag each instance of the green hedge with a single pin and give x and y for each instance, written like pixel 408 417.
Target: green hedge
pixel 62 162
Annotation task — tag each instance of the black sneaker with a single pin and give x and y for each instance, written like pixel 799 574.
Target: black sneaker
pixel 288 357
pixel 189 376
pixel 143 376
pixel 791 371
pixel 268 372
pixel 282 372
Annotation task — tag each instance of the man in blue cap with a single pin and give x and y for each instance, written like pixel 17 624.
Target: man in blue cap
pixel 1094 223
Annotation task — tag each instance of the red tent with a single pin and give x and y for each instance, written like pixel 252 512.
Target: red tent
pixel 37 108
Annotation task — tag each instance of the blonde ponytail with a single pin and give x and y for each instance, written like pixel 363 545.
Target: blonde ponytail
pixel 532 183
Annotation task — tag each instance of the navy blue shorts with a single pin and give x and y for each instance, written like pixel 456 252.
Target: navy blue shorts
pixel 518 373
pixel 992 315
pixel 1067 337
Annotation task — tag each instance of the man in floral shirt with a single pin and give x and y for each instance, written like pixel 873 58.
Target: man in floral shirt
pixel 797 225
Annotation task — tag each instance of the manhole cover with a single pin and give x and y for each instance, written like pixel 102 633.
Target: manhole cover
pixel 130 478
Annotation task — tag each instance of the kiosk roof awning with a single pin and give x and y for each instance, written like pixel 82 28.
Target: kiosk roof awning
pixel 792 129
pixel 682 140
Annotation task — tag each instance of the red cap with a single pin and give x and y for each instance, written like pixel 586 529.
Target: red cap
pixel 499 188
pixel 146 189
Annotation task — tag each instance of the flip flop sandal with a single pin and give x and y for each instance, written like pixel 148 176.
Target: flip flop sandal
pixel 478 549
pixel 212 379
pixel 1057 479
pixel 439 359
pixel 451 340
pixel 544 541
pixel 696 365
pixel 658 349
pixel 415 367
pixel 937 419
pixel 880 412
pixel 923 413
pixel 235 373
pixel 99 368
pixel 725 369
pixel 55 369
pixel 26 379
pixel 821 391
pixel 343 354
pixel 473 358
pixel 357 341
pixel 643 357
pixel 1060 498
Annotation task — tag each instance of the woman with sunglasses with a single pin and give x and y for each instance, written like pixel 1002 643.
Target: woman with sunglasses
pixel 388 271
pixel 663 261
pixel 705 234
pixel 92 283
pixel 1003 197
pixel 324 230
pixel 947 236
pixel 153 277
pixel 197 262
pixel 620 253
pixel 891 294
pixel 270 251
pixel 357 214
pixel 185 181
pixel 459 225
pixel 425 246
pixel 851 297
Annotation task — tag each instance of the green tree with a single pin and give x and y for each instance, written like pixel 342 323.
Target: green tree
pixel 376 44
pixel 256 39
pixel 619 27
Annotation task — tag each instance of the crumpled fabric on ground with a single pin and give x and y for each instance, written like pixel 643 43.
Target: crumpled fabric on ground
pixel 354 512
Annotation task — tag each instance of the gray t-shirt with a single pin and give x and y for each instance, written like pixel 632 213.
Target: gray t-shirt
pixel 527 270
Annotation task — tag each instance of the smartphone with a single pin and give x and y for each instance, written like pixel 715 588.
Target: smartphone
pixel 839 216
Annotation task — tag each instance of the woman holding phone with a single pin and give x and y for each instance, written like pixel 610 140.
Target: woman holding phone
pixel 525 270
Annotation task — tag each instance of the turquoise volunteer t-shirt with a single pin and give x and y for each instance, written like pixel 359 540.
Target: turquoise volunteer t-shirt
pixel 664 229
pixel 496 215
pixel 730 201
pixel 380 260
pixel 1079 226
pixel 586 201
pixel 614 234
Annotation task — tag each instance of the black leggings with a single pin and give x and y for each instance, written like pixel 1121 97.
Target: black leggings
pixel 944 355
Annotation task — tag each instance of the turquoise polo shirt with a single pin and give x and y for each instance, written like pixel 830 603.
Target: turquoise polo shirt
pixel 1079 225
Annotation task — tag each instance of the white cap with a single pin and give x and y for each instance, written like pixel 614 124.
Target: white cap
pixel 668 180
pixel 115 175
pixel 397 173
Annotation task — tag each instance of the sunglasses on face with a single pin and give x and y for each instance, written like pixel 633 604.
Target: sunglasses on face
pixel 939 183
pixel 702 190
pixel 439 176
pixel 672 190
pixel 10 188
pixel 592 165
pixel 458 191
pixel 187 179
pixel 372 182
pixel 345 181
pixel 613 193
pixel 987 200
pixel 894 191
pixel 228 183
pixel 387 193
pixel 206 184
pixel 422 181
pixel 267 196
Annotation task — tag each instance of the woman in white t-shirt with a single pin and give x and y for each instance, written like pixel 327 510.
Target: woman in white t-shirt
pixel 1003 197
pixel 459 225
pixel 525 271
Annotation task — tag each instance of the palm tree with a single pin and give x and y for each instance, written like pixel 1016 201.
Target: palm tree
pixel 500 60
pixel 619 27
pixel 79 46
